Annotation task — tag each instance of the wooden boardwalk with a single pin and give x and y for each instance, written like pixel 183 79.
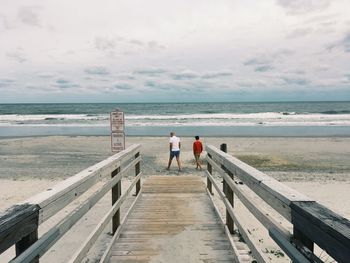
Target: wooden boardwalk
pixel 174 221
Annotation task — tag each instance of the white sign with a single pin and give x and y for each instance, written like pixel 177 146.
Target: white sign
pixel 117 121
pixel 117 141
pixel 117 131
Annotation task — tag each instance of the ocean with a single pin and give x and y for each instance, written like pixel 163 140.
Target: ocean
pixel 187 119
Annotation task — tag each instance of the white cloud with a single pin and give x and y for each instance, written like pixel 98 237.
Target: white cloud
pixel 295 7
pixel 29 15
pixel 300 32
pixel 97 71
pixel 121 47
pixel 17 55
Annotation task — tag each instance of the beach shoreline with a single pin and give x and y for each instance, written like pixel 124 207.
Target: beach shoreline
pixel 46 160
pixel 316 167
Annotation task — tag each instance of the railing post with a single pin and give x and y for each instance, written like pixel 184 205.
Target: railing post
pixel 116 193
pixel 26 242
pixel 137 171
pixel 302 239
pixel 228 192
pixel 210 170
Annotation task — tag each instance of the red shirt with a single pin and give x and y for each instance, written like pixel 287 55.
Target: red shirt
pixel 197 147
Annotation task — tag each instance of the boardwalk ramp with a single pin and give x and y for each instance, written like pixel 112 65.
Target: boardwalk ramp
pixel 174 221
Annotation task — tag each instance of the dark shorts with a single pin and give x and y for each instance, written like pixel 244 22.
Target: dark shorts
pixel 196 156
pixel 174 154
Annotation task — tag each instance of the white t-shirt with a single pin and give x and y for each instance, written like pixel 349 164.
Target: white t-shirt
pixel 175 143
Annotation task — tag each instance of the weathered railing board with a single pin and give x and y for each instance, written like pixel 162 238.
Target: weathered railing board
pixel 249 174
pixel 17 222
pixel 67 198
pixel 51 237
pixel 59 196
pixel 312 222
pixel 63 200
pixel 107 253
pixel 330 231
pixel 251 243
pixel 251 202
pixel 291 251
pixel 236 253
pixel 79 255
pixel 276 194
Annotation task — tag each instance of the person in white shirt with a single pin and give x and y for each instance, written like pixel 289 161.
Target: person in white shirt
pixel 174 147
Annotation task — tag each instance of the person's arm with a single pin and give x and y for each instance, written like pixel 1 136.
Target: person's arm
pixel 170 146
pixel 201 147
pixel 179 145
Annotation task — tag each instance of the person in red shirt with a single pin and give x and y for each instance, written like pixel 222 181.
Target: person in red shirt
pixel 197 150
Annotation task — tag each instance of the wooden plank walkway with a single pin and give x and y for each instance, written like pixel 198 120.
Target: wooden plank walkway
pixel 174 221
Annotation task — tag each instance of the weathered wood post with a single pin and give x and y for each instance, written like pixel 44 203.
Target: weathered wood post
pixel 299 237
pixel 32 225
pixel 302 239
pixel 210 170
pixel 137 171
pixel 25 243
pixel 228 192
pixel 116 193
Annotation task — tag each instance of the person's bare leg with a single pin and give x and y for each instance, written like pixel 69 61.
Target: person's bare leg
pixel 169 163
pixel 178 162
pixel 199 164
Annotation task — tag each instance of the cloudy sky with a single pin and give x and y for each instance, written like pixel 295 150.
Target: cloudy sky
pixel 158 50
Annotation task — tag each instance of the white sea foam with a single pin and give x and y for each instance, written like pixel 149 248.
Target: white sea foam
pixel 220 119
pixel 37 117
pixel 55 125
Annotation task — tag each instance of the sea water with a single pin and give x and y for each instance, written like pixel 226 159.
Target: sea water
pixel 187 119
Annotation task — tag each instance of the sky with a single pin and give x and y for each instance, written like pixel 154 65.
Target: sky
pixel 174 51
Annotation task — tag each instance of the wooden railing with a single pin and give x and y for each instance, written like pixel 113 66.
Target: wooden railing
pixel 312 223
pixel 19 224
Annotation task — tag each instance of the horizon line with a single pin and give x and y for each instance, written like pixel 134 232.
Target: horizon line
pixel 168 102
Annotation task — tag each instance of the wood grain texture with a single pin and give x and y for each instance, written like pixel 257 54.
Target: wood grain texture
pixel 54 199
pixel 327 229
pixel 251 202
pixel 276 194
pixel 17 222
pixel 174 221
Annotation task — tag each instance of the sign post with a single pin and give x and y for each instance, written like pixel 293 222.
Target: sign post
pixel 117 130
pixel 117 145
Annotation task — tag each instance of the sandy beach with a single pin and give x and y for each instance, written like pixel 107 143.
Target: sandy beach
pixel 317 167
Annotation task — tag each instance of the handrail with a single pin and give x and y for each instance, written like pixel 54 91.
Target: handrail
pixel 79 255
pixel 312 222
pixel 276 194
pixel 19 224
